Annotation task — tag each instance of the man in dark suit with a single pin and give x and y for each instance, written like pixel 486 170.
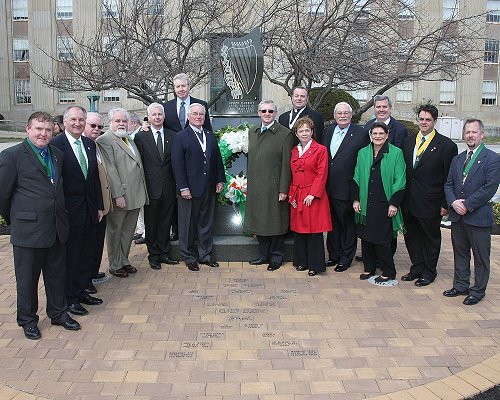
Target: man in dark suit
pixel 83 197
pixel 199 175
pixel 32 202
pixel 300 109
pixel 472 181
pixel 428 157
pixel 176 120
pixel 343 140
pixel 155 148
pixel 382 108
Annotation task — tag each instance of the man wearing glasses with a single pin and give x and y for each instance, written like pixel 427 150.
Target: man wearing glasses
pixel 343 140
pixel 267 210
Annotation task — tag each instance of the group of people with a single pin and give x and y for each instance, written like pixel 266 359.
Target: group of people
pixel 65 196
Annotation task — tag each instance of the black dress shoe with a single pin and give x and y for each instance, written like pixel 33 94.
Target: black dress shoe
pixel 193 266
pixel 129 269
pixel 210 263
pixel 366 275
pixel 380 279
pixel 358 258
pixel 331 263
pixel 409 277
pixel 312 273
pixel 136 236
pixel 100 275
pixel 258 261
pixel 119 273
pixel 273 266
pixel 141 240
pixel 70 324
pixel 91 289
pixel 341 267
pixel 168 260
pixel 155 264
pixel 301 268
pixel 422 282
pixel 470 300
pixel 32 332
pixel 454 293
pixel 90 301
pixel 77 309
pixel 174 237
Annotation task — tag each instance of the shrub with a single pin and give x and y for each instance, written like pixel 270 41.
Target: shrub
pixel 330 100
pixel 496 213
pixel 411 126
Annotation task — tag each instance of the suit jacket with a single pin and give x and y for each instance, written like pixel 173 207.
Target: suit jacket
pixel 397 131
pixel 193 169
pixel 107 201
pixel 158 172
pixel 319 123
pixel 82 195
pixel 424 195
pixel 29 202
pixel 341 167
pixel 125 171
pixel 172 118
pixel 478 188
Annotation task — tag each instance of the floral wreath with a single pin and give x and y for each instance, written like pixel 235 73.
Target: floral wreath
pixel 232 141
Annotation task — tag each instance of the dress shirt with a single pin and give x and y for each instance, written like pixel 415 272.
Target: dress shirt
pixel 72 142
pixel 337 138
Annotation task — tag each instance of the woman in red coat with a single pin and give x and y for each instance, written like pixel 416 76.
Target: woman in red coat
pixel 310 211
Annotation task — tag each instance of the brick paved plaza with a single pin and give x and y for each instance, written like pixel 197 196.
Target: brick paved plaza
pixel 241 332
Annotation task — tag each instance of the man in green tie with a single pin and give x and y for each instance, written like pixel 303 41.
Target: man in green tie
pixel 82 192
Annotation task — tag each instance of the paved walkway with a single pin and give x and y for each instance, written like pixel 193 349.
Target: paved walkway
pixel 240 332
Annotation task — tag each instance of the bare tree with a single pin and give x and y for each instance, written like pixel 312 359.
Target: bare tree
pixel 366 44
pixel 140 45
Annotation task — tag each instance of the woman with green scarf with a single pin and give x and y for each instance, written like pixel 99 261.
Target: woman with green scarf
pixel 378 189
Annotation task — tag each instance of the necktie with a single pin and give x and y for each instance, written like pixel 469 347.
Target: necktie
pixel 81 157
pixel 159 144
pixel 417 158
pixel 263 129
pixel 182 115
pixel 200 135
pixel 45 156
pixel 469 156
pixel 422 141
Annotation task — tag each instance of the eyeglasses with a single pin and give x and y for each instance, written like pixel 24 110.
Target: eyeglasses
pixel 267 111
pixel 196 114
pixel 93 126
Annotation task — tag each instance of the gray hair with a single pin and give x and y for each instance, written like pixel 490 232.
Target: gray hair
pixel 94 114
pixel 153 106
pixel 342 103
pixel 67 110
pixel 134 118
pixel 471 121
pixel 113 111
pixel 268 102
pixel 382 97
pixel 181 77
pixel 196 104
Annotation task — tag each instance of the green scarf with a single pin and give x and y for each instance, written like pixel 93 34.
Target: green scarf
pixel 393 171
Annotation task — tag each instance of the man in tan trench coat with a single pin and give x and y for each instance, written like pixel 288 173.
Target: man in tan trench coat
pixel 267 209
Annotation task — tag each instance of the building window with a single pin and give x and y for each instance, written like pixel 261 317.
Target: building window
pixel 404 48
pixel 22 90
pixel 491 49
pixel 19 9
pixel 493 11
pixel 489 93
pixel 64 9
pixel 64 48
pixel 362 8
pixel 447 91
pixel 406 9
pixel 361 93
pixel 21 49
pixel 109 8
pixel 449 50
pixel 66 97
pixel 316 7
pixel 404 92
pixel 450 9
pixel 155 7
pixel 111 95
